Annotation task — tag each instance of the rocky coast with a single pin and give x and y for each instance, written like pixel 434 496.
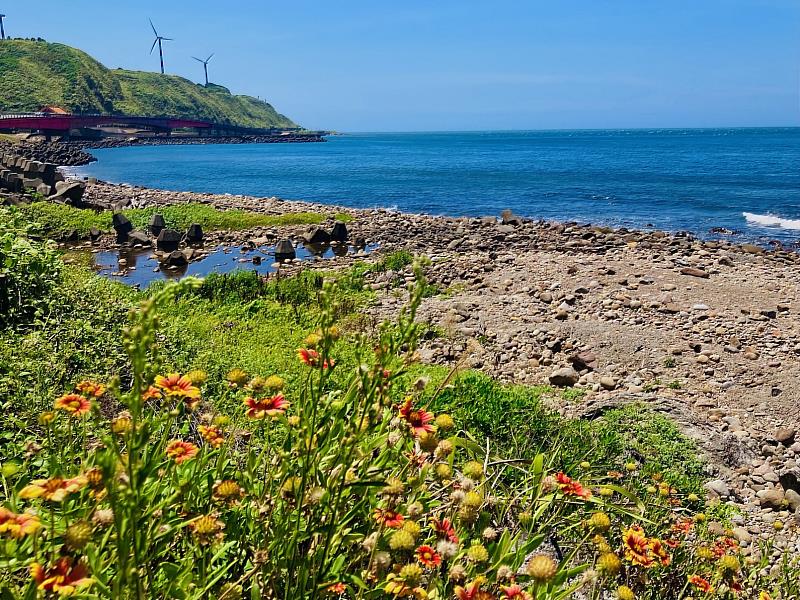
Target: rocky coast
pixel 706 332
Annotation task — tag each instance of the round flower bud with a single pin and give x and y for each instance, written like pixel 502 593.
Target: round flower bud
pixel 444 449
pixel 446 549
pixel 411 574
pixel 542 568
pixel 606 492
pixel 477 553
pixel 393 487
pixel 412 528
pixel 401 540
pixel 693 498
pixel 600 521
pixel 777 525
pixel 472 500
pixel 609 564
pixel 444 422
pixel 457 573
pixel 504 573
pixel 274 383
pixel 428 440
pixel 103 517
pixel 236 377
pixel 312 340
pixel 489 534
pixel 585 464
pixel 525 518
pixel 414 509
pixel 474 470
pixel 729 564
pixel 704 553
pixel 700 517
pixel 631 466
pixel 443 471
pixel 651 489
pixel 383 559
pixel 78 535
pixel 467 515
pixel 625 593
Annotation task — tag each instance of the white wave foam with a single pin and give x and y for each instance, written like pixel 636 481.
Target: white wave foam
pixel 771 221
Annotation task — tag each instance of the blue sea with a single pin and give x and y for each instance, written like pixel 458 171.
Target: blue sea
pixel 743 180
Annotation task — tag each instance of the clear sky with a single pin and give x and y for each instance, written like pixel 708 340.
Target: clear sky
pixel 372 65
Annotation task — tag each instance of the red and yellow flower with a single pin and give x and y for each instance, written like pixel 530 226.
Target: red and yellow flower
pixel 212 435
pixel 428 557
pixel 514 592
pixel 659 551
pixel 637 547
pixel 337 589
pixel 570 487
pixel 312 358
pixel 180 451
pixel 258 408
pixel 178 386
pixel 64 578
pixel 73 404
pixel 55 489
pixel 151 393
pixel 419 420
pixel 389 518
pixel 18 525
pixel 701 584
pixel 400 588
pixel 473 591
pixel 445 529
pixel 91 388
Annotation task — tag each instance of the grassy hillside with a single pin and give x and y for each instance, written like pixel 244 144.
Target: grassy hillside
pixel 34 74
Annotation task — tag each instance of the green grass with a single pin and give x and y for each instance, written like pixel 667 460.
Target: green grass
pixel 58 219
pixel 37 73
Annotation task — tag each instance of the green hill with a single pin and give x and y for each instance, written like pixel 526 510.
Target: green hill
pixel 36 73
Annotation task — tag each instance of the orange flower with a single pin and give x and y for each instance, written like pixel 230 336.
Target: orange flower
pixel 312 358
pixel 473 591
pixel 180 451
pixel 55 489
pixel 570 487
pixel 637 547
pixel 399 588
pixel 701 584
pixel 91 388
pixel 682 526
pixel 258 408
pixel 389 518
pixel 179 386
pixel 419 420
pixel 18 525
pixel 151 393
pixel 336 589
pixel 428 556
pixel 212 435
pixel 514 592
pixel 64 578
pixel 659 552
pixel 723 545
pixel 445 528
pixel 74 404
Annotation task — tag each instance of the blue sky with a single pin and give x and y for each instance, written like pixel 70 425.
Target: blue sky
pixel 416 65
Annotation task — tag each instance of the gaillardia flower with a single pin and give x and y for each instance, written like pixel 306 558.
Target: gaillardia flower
pixel 428 557
pixel 64 578
pixel 418 420
pixel 637 547
pixel 73 404
pixel 312 358
pixel 91 388
pixel 570 487
pixel 258 408
pixel 179 386
pixel 180 451
pixel 18 525
pixel 212 435
pixel 55 489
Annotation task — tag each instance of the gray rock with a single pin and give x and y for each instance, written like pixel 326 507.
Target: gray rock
pixel 176 259
pixel 316 235
pixel 565 377
pixel 157 224
pixel 285 251
pixel 138 237
pixel 771 498
pixel 793 499
pixel 194 235
pixel 718 487
pixel 339 232
pixel 168 240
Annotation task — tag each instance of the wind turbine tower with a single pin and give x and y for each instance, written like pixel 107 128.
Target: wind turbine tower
pixel 158 41
pixel 2 30
pixel 205 65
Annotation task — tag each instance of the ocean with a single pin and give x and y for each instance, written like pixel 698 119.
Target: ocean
pixel 744 181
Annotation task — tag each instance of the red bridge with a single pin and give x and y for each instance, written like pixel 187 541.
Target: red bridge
pixel 63 123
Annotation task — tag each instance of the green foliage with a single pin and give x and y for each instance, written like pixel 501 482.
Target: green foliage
pixel 29 270
pixel 394 261
pixel 35 73
pixel 58 219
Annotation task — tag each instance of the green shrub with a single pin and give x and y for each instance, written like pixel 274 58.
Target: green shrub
pixel 29 270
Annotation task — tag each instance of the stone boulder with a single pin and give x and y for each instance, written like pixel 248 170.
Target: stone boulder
pixel 565 377
pixel 194 235
pixel 176 259
pixel 69 192
pixel 168 240
pixel 316 236
pixel 339 232
pixel 138 237
pixel 122 226
pixel 285 251
pixel 157 224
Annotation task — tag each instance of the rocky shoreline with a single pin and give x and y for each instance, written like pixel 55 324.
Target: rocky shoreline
pixel 707 332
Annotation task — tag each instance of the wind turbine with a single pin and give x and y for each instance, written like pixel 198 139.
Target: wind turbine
pixel 2 31
pixel 205 64
pixel 158 41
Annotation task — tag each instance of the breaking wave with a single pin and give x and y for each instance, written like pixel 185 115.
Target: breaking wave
pixel 771 221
